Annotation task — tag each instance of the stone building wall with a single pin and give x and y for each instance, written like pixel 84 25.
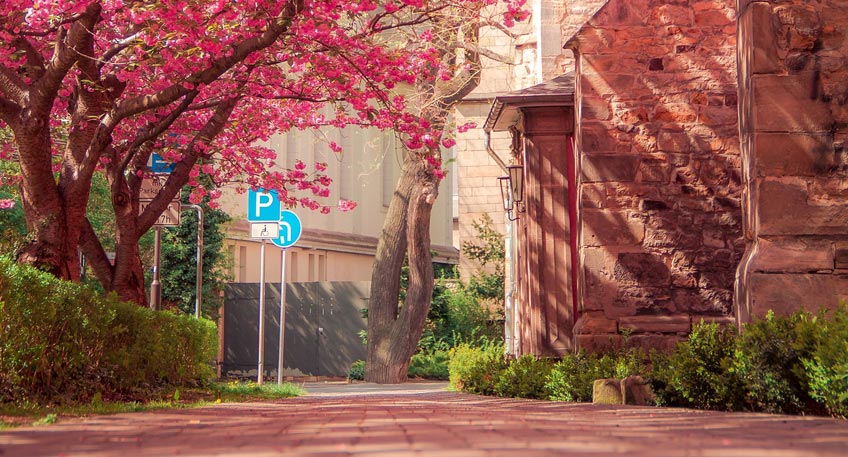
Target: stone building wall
pixel 535 54
pixel 659 168
pixel 478 192
pixel 793 76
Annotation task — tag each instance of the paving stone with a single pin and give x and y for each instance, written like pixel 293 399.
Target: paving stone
pixel 361 420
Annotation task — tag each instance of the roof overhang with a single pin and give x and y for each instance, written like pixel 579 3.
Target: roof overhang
pixel 506 109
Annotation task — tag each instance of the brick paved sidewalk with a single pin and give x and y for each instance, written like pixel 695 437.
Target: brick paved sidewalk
pixel 420 420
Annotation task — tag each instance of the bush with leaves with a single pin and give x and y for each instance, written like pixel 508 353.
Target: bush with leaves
pixel 476 369
pixel 770 361
pixel 779 364
pixel 179 259
pixel 63 342
pixel 356 371
pixel 469 312
pixel 699 373
pixel 488 283
pixel 525 377
pixel 460 317
pixel 429 365
pixel 572 378
pixel 827 364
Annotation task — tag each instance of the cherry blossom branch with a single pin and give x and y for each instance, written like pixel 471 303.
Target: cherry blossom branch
pixel 485 52
pixel 218 67
pixel 12 87
pixel 153 131
pixel 117 49
pixel 179 176
pixel 65 55
pixel 35 62
pixel 502 28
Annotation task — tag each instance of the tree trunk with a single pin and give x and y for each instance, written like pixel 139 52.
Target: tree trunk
pixel 394 331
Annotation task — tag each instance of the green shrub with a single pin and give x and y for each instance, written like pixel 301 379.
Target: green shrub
pixel 779 364
pixel 770 360
pixel 827 364
pixel 571 378
pixel 699 372
pixel 457 316
pixel 160 348
pixel 476 369
pixel 524 378
pixel 429 365
pixel 62 342
pixel 356 371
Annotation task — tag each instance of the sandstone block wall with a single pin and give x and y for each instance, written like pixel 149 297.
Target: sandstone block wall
pixel 659 168
pixel 793 77
pixel 478 191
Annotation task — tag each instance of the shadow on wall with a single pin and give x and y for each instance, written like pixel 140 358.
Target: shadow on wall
pixel 661 177
pixel 323 321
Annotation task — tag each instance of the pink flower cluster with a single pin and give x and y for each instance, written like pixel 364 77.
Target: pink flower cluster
pixel 329 54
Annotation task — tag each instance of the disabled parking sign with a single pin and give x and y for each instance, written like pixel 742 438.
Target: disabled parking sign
pixel 264 206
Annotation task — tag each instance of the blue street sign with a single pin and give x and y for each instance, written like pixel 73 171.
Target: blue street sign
pixel 290 229
pixel 262 206
pixel 158 164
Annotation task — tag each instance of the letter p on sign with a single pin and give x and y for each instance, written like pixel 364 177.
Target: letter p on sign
pixel 262 206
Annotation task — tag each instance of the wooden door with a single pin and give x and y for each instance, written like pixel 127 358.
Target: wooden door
pixel 547 244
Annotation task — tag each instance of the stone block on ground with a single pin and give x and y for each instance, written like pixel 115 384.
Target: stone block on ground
pixel 636 391
pixel 606 392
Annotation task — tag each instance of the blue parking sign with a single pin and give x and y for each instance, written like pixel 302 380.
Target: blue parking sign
pixel 290 229
pixel 158 164
pixel 263 206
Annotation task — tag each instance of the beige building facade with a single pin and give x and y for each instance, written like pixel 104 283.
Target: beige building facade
pixel 338 246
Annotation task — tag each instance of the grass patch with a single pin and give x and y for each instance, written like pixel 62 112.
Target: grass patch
pixel 240 391
pixel 231 392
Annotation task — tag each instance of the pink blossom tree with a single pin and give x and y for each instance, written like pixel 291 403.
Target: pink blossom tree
pixel 394 328
pixel 97 86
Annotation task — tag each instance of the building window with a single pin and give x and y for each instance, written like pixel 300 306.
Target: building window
pixel 231 253
pixel 293 267
pixel 291 149
pixel 388 167
pixel 242 264
pixel 322 267
pixel 346 163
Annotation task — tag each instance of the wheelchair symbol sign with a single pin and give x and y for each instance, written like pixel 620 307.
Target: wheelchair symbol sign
pixel 290 229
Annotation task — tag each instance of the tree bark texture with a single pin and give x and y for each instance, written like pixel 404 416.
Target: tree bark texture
pixel 394 330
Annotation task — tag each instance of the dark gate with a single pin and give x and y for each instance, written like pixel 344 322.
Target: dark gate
pixel 323 322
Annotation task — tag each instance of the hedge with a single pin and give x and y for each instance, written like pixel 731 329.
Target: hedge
pixel 62 342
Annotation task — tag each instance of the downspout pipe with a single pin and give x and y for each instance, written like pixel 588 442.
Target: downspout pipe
pixel 509 261
pixel 492 153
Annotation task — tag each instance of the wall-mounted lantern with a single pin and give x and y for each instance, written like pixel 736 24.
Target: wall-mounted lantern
pixel 512 190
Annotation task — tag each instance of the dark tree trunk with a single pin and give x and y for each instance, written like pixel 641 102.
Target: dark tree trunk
pixel 394 330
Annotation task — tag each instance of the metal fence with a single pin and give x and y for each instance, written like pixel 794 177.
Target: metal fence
pixel 323 322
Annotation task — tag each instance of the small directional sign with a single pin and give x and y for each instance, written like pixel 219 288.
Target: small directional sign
pixel 159 165
pixel 290 229
pixel 264 230
pixel 151 186
pixel 169 218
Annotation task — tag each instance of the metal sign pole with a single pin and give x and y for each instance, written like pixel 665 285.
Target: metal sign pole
pixel 282 315
pixel 198 282
pixel 199 279
pixel 155 285
pixel 260 373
